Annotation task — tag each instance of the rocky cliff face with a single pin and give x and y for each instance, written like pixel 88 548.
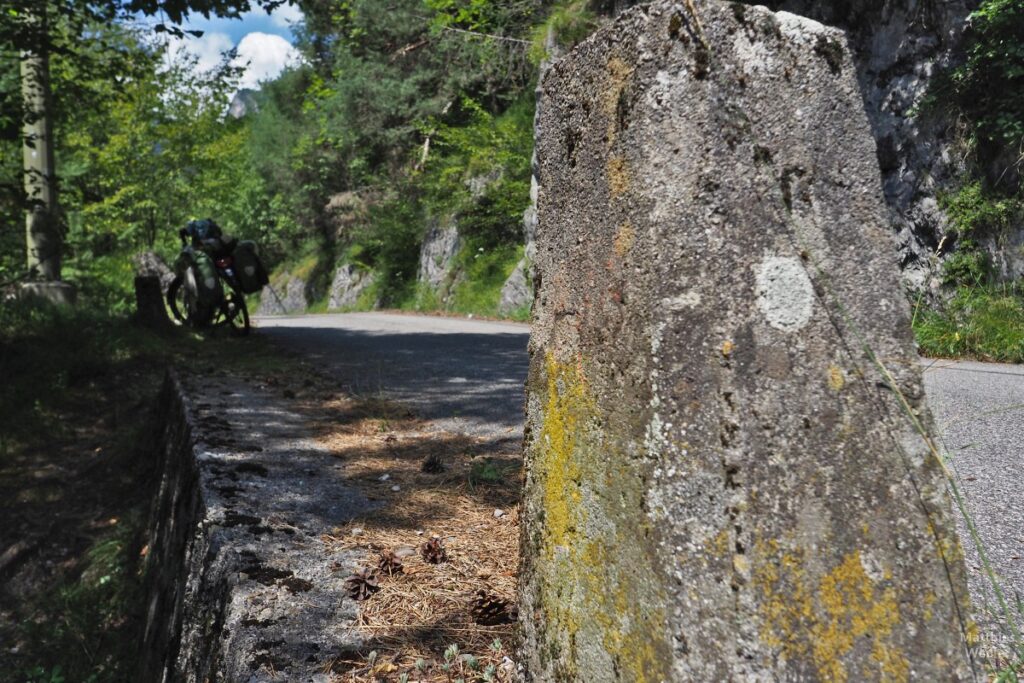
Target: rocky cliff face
pixel 437 255
pixel 721 483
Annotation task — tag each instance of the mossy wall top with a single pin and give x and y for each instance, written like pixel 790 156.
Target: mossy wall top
pixel 721 482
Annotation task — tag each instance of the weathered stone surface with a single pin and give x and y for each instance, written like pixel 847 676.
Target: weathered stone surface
pixel 348 283
pixel 437 254
pixel 899 47
pixel 720 483
pixel 240 586
pixel 149 263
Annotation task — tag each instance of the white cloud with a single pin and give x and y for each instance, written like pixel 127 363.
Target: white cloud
pixel 208 49
pixel 286 15
pixel 265 55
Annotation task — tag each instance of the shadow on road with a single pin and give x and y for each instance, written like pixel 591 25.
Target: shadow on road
pixel 474 378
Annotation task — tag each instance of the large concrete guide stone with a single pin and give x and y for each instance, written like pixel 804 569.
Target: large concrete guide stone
pixel 722 484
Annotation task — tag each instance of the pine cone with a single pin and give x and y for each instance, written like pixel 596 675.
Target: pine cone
pixel 490 610
pixel 432 464
pixel 362 584
pixel 389 563
pixel 433 552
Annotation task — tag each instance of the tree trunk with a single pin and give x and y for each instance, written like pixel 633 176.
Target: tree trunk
pixel 42 227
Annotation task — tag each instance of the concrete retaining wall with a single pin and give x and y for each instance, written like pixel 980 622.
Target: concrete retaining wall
pixel 240 586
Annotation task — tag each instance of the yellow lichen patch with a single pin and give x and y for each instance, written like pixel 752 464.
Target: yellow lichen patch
pixel 592 566
pixel 719 545
pixel 629 633
pixel 625 237
pixel 820 620
pixel 836 378
pixel 565 414
pixel 618 176
pixel 727 348
pixel 618 76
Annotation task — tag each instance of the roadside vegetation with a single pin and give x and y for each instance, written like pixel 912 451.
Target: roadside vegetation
pixel 78 434
pixel 981 314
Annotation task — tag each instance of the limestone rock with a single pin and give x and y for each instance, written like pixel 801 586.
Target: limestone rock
pixel 516 292
pixel 721 484
pixel 437 254
pixel 290 297
pixel 348 283
pixel 478 184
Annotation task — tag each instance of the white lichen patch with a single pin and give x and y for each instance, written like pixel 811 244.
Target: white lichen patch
pixel 784 293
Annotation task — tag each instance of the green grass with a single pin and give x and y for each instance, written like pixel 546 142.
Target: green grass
pixel 984 323
pixel 485 272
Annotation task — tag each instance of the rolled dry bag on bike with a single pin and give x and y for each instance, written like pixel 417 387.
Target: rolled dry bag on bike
pixel 209 290
pixel 249 270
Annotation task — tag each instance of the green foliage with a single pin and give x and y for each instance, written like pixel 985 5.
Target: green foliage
pixel 990 85
pixel 494 150
pixel 982 322
pixel 484 272
pixel 976 212
pixel 968 266
pixel 390 243
pixel 568 23
pixel 487 471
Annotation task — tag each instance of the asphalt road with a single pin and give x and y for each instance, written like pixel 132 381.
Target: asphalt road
pixel 979 413
pixel 465 375
pixel 469 376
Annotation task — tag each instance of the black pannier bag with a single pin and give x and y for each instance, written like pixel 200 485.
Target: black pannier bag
pixel 249 270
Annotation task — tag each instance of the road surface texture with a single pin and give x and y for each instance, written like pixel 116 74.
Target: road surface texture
pixel 468 375
pixel 979 413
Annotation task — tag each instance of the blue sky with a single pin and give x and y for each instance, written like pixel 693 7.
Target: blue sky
pixel 264 42
pixel 254 21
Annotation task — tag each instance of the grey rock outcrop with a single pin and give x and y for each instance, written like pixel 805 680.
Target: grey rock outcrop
pixel 243 103
pixel 721 482
pixel 348 284
pixel 150 264
pixel 437 254
pixel 287 298
pixel 516 293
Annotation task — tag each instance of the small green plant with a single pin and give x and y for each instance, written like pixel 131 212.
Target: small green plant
pixel 486 471
pixel 990 84
pixel 40 675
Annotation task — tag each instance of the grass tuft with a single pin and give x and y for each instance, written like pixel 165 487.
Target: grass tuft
pixel 985 323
